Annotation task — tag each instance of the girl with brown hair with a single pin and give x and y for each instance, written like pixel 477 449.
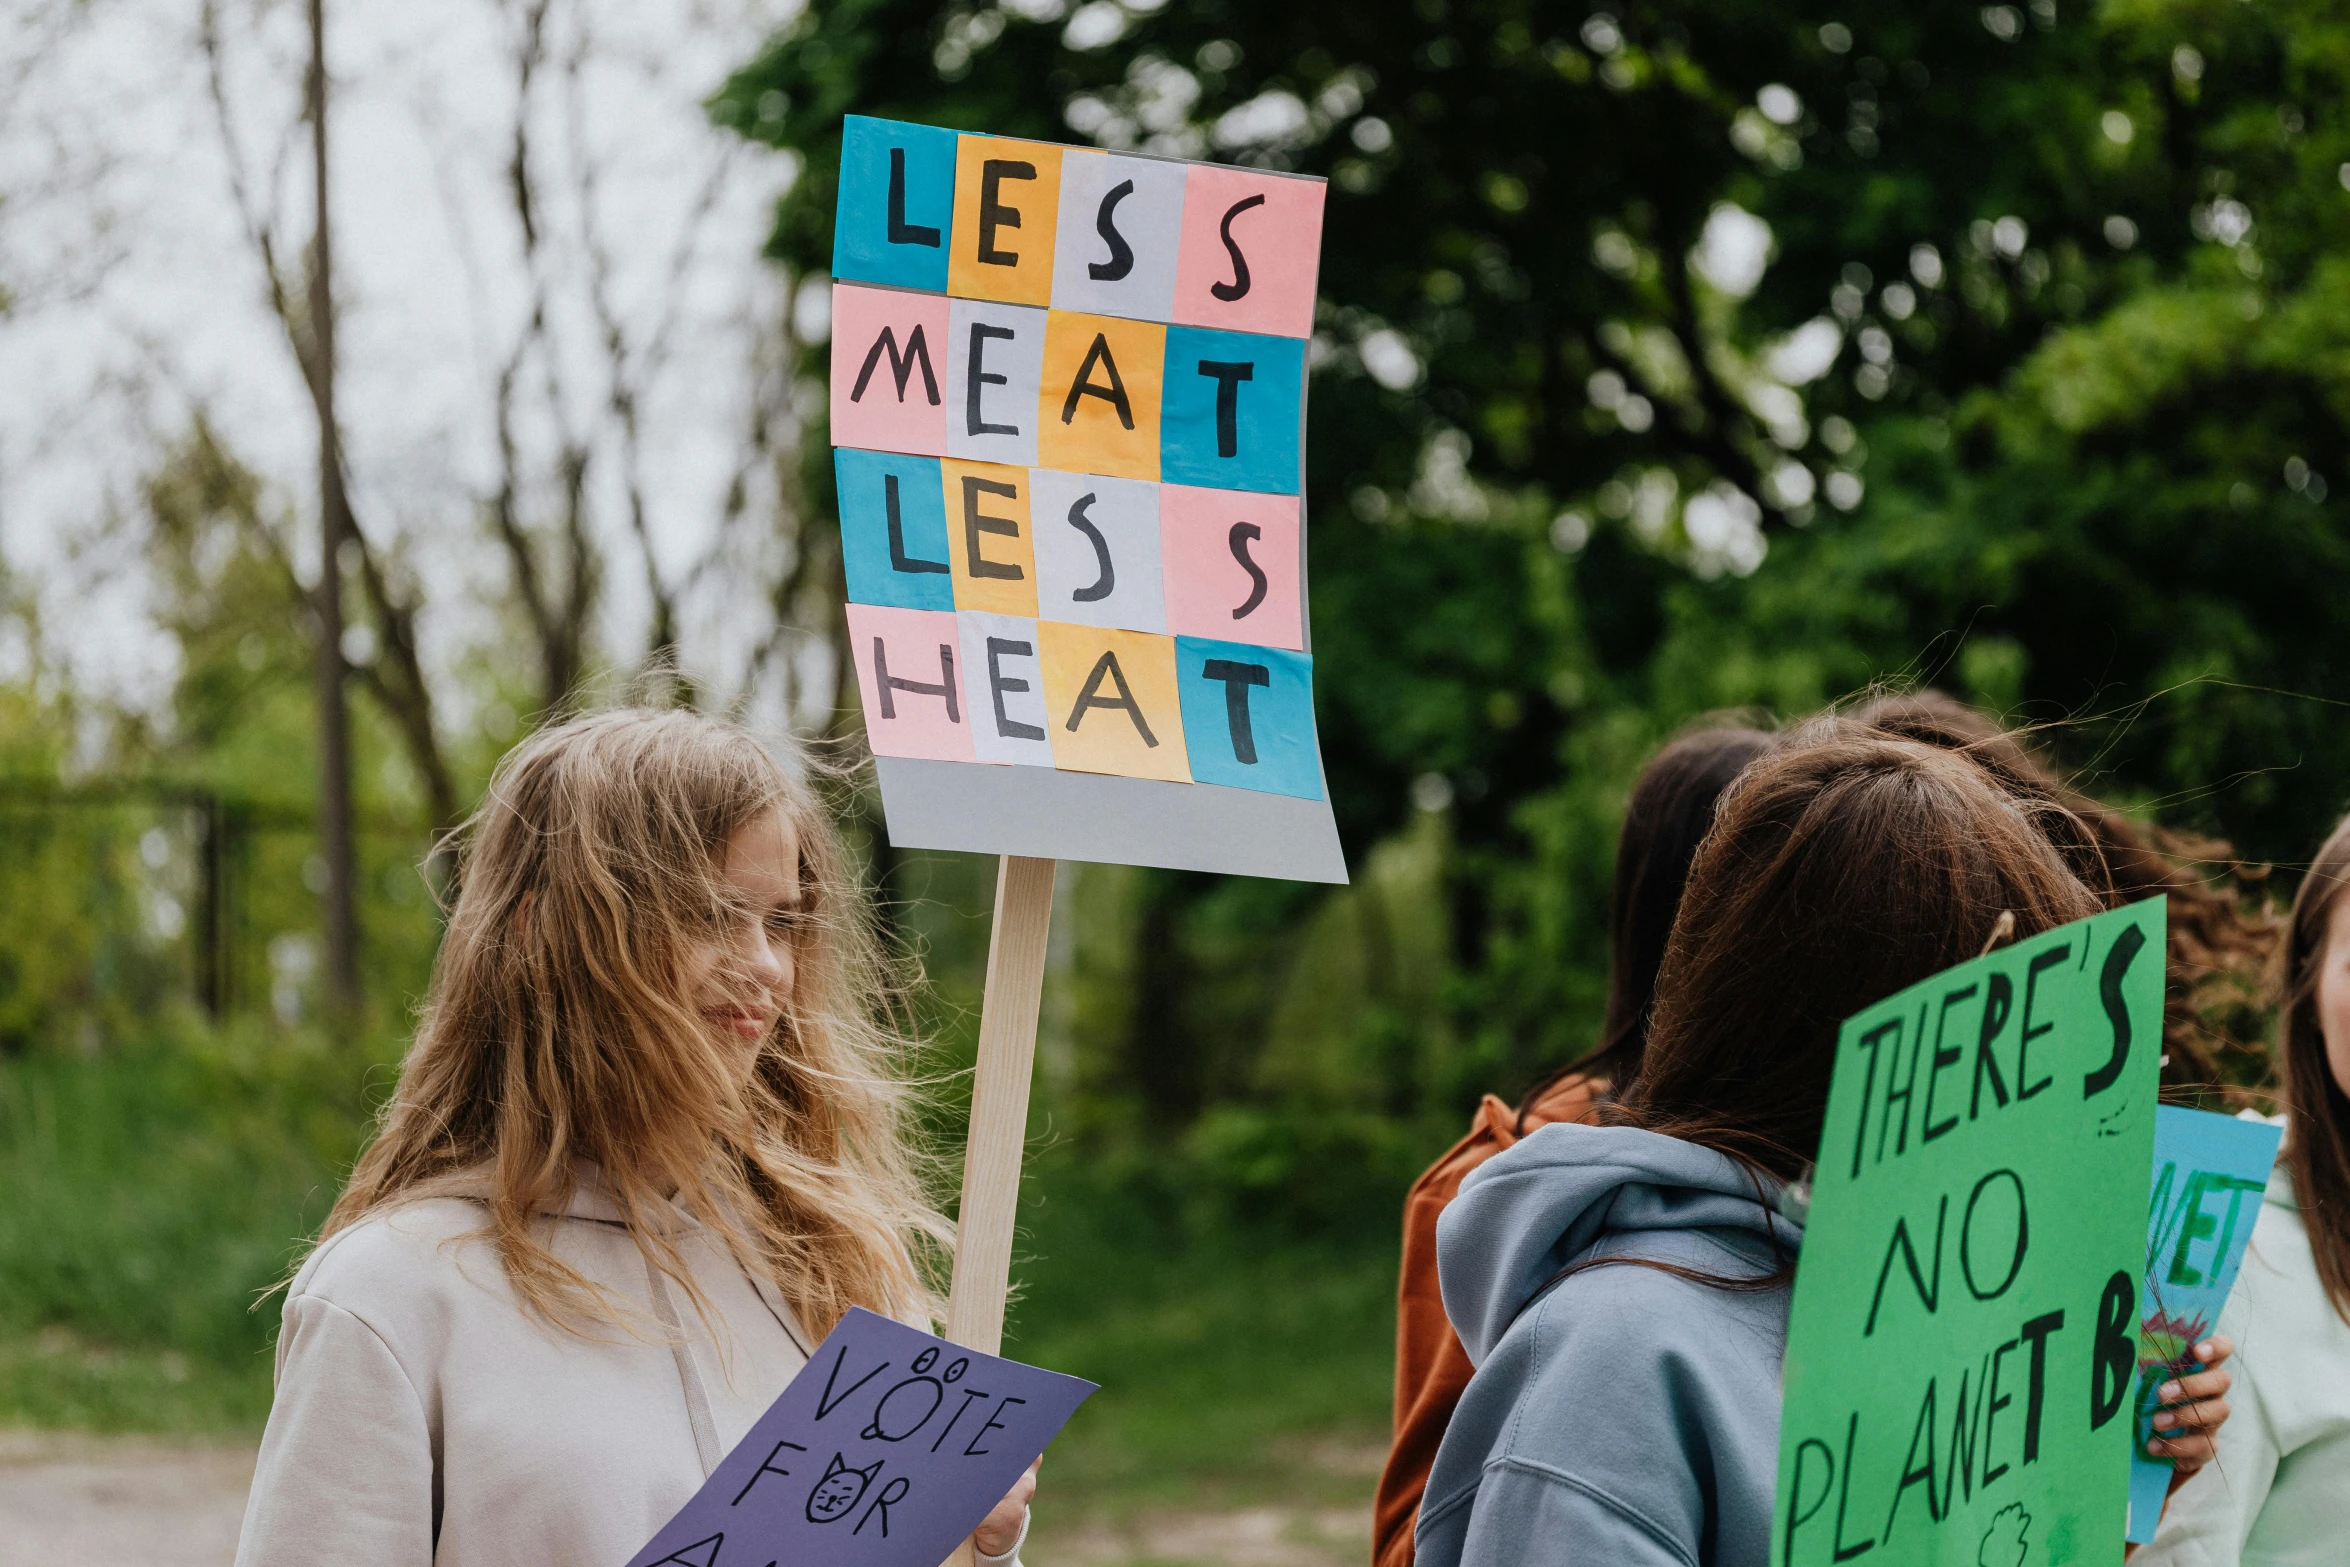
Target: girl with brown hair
pixel 2280 1490
pixel 1671 807
pixel 2219 940
pixel 654 1068
pixel 2222 933
pixel 1840 869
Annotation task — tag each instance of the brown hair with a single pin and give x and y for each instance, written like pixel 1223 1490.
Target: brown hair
pixel 1671 808
pixel 2223 935
pixel 2317 1131
pixel 558 1029
pixel 1840 869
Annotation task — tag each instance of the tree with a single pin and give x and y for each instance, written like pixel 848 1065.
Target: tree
pixel 1688 353
pixel 337 849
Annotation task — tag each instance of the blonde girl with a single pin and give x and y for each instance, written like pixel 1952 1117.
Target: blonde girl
pixel 647 1147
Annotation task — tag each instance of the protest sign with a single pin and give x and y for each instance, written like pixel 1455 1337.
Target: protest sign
pixel 887 1449
pixel 1963 1337
pixel 1068 401
pixel 1068 416
pixel 2210 1172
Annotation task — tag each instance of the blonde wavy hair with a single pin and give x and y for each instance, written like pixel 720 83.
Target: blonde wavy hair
pixel 559 1028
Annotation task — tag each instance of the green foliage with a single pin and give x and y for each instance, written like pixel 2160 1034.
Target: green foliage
pixel 80 955
pixel 157 1193
pixel 146 846
pixel 1218 1351
pixel 2071 275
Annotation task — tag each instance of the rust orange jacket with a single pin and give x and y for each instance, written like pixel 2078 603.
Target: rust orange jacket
pixel 1431 1368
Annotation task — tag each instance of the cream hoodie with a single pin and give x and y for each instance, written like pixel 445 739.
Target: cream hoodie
pixel 423 1417
pixel 2278 1495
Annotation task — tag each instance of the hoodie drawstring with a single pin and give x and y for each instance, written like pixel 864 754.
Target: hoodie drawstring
pixel 697 1401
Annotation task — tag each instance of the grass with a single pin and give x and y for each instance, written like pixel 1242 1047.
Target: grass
pixel 1235 1367
pixel 153 1197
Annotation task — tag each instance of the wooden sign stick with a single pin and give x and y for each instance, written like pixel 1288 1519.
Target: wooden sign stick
pixel 999 1108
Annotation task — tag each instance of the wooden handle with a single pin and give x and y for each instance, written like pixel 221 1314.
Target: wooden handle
pixel 999 1110
pixel 999 1102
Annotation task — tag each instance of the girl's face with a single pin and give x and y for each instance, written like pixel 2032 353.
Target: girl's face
pixel 2333 993
pixel 740 979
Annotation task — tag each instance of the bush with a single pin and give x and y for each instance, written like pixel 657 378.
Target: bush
pixel 156 1196
pixel 1272 1173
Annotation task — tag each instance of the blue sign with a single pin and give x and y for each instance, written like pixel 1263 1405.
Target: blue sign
pixel 2209 1174
pixel 1248 716
pixel 1230 405
pixel 897 201
pixel 893 529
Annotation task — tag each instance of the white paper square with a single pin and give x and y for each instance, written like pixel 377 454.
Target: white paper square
pixel 1097 550
pixel 1004 688
pixel 990 420
pixel 1147 220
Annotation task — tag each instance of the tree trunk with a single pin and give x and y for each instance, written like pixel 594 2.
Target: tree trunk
pixel 338 898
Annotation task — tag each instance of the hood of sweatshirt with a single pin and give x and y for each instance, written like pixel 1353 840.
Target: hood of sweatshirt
pixel 1572 1191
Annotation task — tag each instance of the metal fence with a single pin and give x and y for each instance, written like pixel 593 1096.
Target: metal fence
pixel 117 896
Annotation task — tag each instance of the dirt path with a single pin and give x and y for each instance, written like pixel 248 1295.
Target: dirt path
pixel 120 1499
pixel 93 1500
pixel 1251 1537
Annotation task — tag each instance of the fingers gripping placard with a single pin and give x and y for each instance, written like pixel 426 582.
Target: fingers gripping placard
pixel 1068 389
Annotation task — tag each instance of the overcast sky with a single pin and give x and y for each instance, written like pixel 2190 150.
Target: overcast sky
pixel 139 298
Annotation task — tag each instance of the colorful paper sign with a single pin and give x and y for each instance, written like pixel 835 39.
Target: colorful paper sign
pixel 893 529
pixel 1068 388
pixel 1962 1346
pixel 991 550
pixel 1230 564
pixel 1007 201
pixel 1100 411
pixel 887 1449
pixel 1249 247
pixel 889 370
pixel 1121 227
pixel 2210 1173
pixel 913 697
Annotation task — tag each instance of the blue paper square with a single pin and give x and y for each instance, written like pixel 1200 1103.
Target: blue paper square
pixel 893 529
pixel 1248 716
pixel 1229 406
pixel 897 203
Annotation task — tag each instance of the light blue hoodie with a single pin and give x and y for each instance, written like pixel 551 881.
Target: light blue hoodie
pixel 1628 1416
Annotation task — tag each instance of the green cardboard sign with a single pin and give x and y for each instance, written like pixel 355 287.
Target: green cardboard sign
pixel 1964 1332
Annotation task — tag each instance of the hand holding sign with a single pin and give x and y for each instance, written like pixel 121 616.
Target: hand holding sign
pixel 885 1451
pixel 2209 1174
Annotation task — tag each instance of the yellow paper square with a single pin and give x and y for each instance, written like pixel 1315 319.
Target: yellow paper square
pixel 990 551
pixel 1111 702
pixel 1007 206
pixel 1098 406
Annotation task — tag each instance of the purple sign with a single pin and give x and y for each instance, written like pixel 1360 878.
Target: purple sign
pixel 886 1450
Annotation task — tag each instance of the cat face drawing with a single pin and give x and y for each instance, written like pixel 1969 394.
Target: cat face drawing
pixel 840 1489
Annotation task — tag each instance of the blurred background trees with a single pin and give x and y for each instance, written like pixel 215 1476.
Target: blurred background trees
pixel 1671 357
pixel 1696 355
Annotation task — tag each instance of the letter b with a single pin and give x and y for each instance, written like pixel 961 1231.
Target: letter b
pixel 2113 1354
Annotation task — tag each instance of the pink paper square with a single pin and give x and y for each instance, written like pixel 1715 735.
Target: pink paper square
pixel 918 652
pixel 1243 227
pixel 1204 536
pixel 889 370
